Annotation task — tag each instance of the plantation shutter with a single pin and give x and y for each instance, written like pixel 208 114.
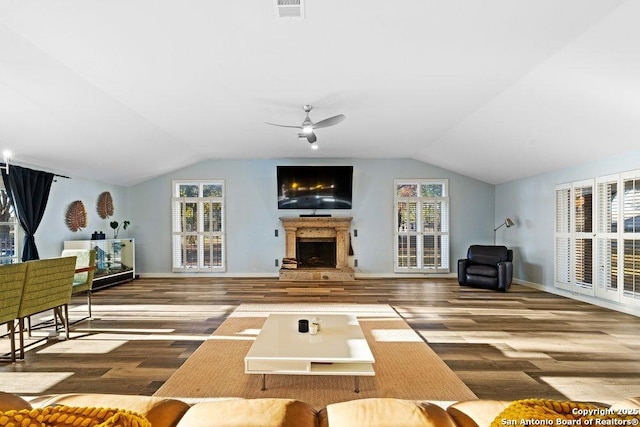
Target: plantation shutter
pixel 631 236
pixel 583 237
pixel 607 220
pixel 563 237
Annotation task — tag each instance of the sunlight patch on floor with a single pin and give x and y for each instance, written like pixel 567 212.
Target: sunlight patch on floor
pixel 395 335
pixel 252 332
pixel 83 346
pixel 126 330
pixel 229 337
pixel 591 389
pixel 27 382
pixel 142 337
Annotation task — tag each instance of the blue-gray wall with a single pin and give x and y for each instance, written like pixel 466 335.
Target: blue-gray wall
pixel 530 203
pixel 53 230
pixel 252 214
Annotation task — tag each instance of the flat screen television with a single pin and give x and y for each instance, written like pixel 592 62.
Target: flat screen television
pixel 314 187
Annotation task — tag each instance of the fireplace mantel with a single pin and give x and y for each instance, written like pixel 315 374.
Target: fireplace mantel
pixel 318 228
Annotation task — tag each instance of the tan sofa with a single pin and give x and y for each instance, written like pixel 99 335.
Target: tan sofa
pixel 380 412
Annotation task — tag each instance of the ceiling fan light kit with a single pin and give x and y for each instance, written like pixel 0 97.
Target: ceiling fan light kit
pixel 308 126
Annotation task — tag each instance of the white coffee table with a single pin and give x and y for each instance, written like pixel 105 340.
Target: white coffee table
pixel 339 348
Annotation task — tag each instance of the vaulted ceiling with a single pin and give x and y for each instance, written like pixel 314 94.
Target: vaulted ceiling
pixel 123 91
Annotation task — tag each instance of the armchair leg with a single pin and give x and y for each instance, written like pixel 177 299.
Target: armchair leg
pixel 21 333
pixel 66 320
pixel 89 301
pixel 63 313
pixel 11 334
pixel 11 326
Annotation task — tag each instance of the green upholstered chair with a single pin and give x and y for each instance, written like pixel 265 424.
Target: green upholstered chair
pixel 48 285
pixel 11 283
pixel 83 282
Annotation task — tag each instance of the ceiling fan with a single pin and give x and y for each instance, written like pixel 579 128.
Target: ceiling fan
pixel 308 126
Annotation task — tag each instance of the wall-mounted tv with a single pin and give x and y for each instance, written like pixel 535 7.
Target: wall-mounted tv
pixel 314 187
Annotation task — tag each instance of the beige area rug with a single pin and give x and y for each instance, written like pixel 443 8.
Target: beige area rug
pixel 405 367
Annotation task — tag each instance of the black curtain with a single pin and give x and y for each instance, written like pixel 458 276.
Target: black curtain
pixel 28 190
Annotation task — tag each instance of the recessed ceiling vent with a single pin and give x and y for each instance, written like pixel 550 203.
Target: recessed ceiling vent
pixel 289 9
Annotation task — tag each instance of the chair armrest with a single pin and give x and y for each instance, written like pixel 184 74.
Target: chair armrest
pixel 462 271
pixel 505 275
pixel 85 269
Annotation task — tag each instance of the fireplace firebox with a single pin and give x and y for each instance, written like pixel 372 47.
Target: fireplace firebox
pixel 314 253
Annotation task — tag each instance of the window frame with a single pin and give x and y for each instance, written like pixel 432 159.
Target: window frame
pixel 17 234
pixel 416 233
pixel 178 233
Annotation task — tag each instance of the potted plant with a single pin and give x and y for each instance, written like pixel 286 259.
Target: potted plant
pixel 116 227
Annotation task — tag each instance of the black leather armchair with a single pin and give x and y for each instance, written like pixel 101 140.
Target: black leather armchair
pixel 489 267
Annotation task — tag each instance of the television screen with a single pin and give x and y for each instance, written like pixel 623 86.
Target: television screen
pixel 314 187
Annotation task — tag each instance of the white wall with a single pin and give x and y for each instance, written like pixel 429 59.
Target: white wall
pixel 252 214
pixel 530 203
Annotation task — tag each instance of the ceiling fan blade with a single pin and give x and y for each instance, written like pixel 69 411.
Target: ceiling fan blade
pixel 329 122
pixel 284 126
pixel 312 138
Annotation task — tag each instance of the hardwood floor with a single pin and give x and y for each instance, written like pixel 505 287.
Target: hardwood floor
pixel 523 343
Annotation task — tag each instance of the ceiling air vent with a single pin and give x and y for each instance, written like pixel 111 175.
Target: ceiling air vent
pixel 289 8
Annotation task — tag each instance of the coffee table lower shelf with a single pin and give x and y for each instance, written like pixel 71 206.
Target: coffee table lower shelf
pixel 279 367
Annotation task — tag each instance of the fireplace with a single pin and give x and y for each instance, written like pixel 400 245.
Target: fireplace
pixel 320 246
pixel 315 253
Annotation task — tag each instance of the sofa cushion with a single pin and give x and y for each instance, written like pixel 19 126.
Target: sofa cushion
pixel 556 412
pixel 487 255
pixel 250 413
pixel 384 412
pixel 476 413
pixel 482 270
pixel 10 401
pixel 160 412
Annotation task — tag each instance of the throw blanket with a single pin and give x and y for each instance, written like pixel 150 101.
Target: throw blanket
pixel 552 413
pixel 59 416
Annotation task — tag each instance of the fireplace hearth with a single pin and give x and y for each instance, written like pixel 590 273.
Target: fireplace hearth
pixel 320 246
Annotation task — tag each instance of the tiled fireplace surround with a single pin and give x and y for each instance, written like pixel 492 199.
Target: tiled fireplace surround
pixel 321 229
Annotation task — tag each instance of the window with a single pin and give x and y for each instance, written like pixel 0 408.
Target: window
pixel 9 229
pixel 630 230
pixel 198 226
pixel 598 237
pixel 574 237
pixel 421 226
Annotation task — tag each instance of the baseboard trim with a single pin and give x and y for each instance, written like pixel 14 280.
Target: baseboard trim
pixel 583 298
pixel 275 275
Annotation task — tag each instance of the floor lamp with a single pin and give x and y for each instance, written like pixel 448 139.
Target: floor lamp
pixel 506 222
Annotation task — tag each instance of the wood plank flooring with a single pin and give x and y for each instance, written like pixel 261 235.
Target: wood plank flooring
pixel 523 343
